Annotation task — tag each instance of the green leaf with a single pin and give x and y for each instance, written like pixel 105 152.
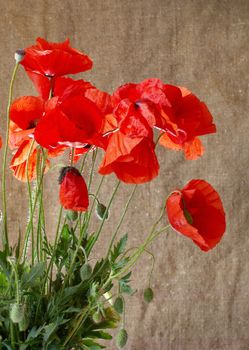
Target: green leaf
pixel 17 250
pixel 119 248
pixel 99 335
pixel 35 272
pixel 90 344
pixel 35 332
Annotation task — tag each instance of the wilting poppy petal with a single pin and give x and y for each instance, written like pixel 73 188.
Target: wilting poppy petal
pixel 55 59
pixel 73 190
pixel 26 111
pixel 133 160
pixel 197 212
pixel 17 135
pixel 192 149
pixel 19 161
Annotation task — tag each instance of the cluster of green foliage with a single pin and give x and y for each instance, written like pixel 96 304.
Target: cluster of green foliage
pixel 66 306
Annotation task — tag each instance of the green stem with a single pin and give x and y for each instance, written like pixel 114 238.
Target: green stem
pixel 140 251
pixel 5 233
pixel 104 219
pixel 12 335
pixel 121 220
pixel 84 314
pixel 83 161
pixel 24 250
pixel 30 201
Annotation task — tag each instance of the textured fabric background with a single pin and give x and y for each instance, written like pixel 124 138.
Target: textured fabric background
pixel 201 300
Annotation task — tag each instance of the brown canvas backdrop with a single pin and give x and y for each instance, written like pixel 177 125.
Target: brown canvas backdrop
pixel 201 300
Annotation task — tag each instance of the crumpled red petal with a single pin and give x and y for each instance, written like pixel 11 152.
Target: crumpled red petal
pixel 133 160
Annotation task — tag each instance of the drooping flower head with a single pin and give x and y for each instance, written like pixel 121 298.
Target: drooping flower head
pixel 197 212
pixel 73 190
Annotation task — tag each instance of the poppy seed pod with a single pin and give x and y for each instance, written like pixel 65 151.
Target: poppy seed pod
pixel 19 54
pixel 73 190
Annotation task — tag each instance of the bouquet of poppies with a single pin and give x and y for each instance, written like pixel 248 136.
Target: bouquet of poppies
pixel 54 293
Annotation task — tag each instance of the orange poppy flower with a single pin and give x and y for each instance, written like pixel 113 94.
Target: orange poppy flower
pixel 20 141
pixel 73 190
pixel 197 212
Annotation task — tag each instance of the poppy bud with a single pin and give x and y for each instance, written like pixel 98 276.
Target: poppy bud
pixel 17 312
pixel 122 338
pixel 73 190
pixel 19 54
pixel 148 295
pixel 97 317
pixel 85 272
pixel 119 305
pixel 100 211
pixel 72 215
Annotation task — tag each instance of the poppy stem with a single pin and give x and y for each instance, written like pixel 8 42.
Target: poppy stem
pixel 4 199
pixel 121 220
pixel 30 201
pixel 103 220
pixel 71 156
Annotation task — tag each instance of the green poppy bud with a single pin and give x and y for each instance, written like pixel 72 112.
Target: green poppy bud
pixel 97 317
pixel 17 312
pixel 85 272
pixel 119 305
pixel 100 211
pixel 148 295
pixel 122 338
pixel 72 215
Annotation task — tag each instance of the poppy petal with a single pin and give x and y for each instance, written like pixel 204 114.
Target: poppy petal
pixel 133 160
pixel 26 111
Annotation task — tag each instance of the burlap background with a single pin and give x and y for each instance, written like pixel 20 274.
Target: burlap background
pixel 201 300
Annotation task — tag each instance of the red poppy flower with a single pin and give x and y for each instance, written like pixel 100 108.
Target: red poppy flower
pixel 147 97
pixel 46 61
pixel 55 59
pixel 190 119
pixel 73 190
pixel 133 160
pixel 197 212
pixel 75 121
pixel 174 110
pixel 70 118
